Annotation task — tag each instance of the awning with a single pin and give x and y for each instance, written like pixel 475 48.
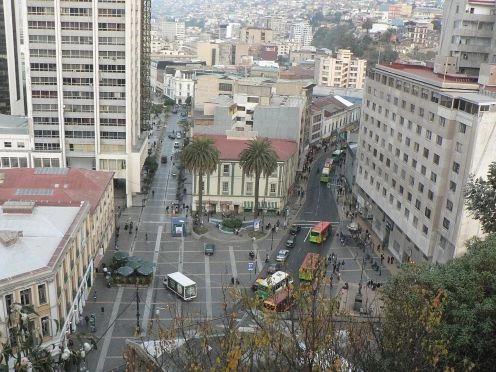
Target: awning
pixel 247 205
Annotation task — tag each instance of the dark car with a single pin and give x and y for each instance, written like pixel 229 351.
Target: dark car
pixel 294 229
pixel 171 136
pixel 163 159
pixel 209 249
pixel 273 267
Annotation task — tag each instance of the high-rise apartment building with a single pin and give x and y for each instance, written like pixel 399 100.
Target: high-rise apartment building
pixel 301 33
pixel 83 63
pixel 340 70
pixel 467 37
pixel 422 135
pixel 174 30
pixel 12 100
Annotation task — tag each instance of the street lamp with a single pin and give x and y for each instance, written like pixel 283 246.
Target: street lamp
pixel 361 277
pixel 272 240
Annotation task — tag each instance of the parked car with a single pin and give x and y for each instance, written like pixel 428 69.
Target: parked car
pixel 294 229
pixel 177 145
pixel 171 136
pixel 174 110
pixel 282 255
pixel 174 172
pixel 290 243
pixel 273 267
pixel 163 159
pixel 209 249
pixel 183 114
pixel 178 135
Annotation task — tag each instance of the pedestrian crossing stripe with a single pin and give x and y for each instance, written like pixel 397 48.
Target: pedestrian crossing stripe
pixel 311 223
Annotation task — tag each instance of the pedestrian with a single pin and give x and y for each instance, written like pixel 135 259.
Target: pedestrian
pixel 237 281
pixel 389 260
pixel 382 258
pixel 339 276
pixel 232 280
pixel 87 320
pixel 333 267
pixel 94 295
pixel 392 259
pixel 136 229
pixel 146 236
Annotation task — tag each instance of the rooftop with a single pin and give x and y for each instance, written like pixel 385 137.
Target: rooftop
pixel 230 149
pixel 40 235
pixel 428 76
pixel 54 186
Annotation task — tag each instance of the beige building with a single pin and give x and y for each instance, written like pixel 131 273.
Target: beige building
pixel 223 53
pixel 340 70
pixel 55 224
pixel 421 136
pixel 228 189
pixel 256 35
pixel 16 142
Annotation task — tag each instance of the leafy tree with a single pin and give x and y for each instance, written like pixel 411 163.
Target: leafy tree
pixel 439 317
pixel 367 25
pixel 258 159
pixel 201 157
pixel 317 18
pixel 151 164
pixel 480 199
pixel 188 101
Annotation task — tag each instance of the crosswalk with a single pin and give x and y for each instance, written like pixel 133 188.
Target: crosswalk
pixel 304 223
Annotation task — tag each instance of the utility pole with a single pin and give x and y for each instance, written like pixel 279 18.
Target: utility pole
pixel 138 331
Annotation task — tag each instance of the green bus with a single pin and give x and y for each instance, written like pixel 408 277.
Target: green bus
pixel 320 232
pixel 273 284
pixel 310 267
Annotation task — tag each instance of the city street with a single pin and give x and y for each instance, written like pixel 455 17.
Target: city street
pixel 116 310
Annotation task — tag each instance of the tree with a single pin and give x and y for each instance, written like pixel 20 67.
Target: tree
pixel 188 101
pixel 258 159
pixel 438 317
pixel 480 199
pixel 201 157
pixel 367 25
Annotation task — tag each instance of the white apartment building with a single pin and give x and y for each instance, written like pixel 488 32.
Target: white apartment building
pixel 422 134
pixel 301 33
pixel 179 85
pixel 16 143
pixel 83 64
pixel 174 30
pixel 340 70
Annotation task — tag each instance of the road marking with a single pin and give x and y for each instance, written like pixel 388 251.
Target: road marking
pixel 149 291
pixel 234 270
pixel 257 256
pixel 108 335
pixel 208 289
pixel 306 236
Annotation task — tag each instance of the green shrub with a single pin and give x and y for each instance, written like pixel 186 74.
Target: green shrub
pixel 232 223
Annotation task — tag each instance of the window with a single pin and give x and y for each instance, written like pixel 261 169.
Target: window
pixel 421 187
pixel 425 230
pixel 421 112
pixel 423 170
pixel 426 153
pixel 26 297
pixel 430 195
pixel 415 221
pixel 249 188
pixel 452 186
pixel 42 296
pixel 427 213
pixel 456 167
pixel 418 204
pixel 7 144
pixel 416 147
pixel 45 326
pixel 459 147
pixel 272 188
pixel 419 130
pixel 433 177
pixel 439 140
pixel 462 128
pixel 225 169
pixel 9 300
pixel 442 121
pixel 405 158
pixel 401 190
pixel 446 223
pixel 407 213
pixel 225 187
pixel 435 159
pixel 407 141
pixel 428 134
pixel 409 196
pixel 449 205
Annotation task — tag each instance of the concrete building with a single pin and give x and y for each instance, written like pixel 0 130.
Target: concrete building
pixel 55 225
pixel 301 33
pixel 12 83
pixel 467 37
pixel 422 134
pixel 340 70
pixel 223 53
pixel 180 85
pixel 228 189
pixel 83 85
pixel 421 34
pixel 253 107
pixel 331 115
pixel 16 143
pixel 163 77
pixel 173 30
pixel 256 35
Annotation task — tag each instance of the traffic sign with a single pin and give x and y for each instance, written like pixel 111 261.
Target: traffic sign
pixel 251 266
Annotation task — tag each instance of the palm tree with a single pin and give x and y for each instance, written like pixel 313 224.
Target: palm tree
pixel 258 159
pixel 202 157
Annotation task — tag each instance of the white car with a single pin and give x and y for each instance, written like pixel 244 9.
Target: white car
pixel 177 145
pixel 178 135
pixel 282 255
